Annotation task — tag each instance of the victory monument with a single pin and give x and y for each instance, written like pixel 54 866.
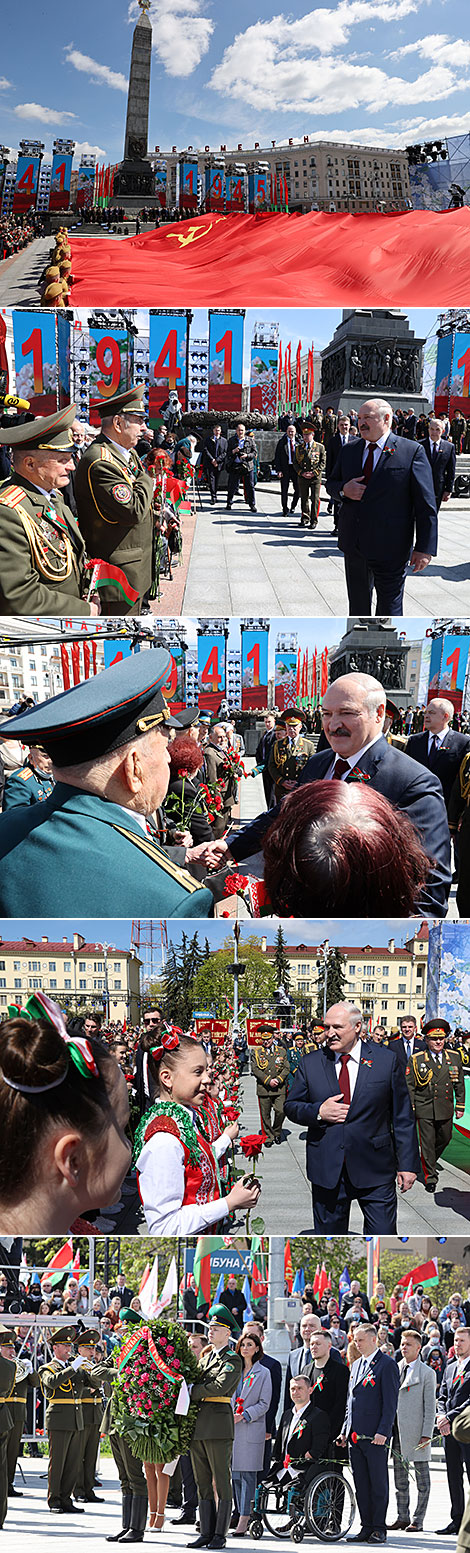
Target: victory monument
pixel 374 647
pixel 134 182
pixel 373 353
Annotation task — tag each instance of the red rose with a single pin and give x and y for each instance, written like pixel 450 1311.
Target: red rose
pixel 251 1145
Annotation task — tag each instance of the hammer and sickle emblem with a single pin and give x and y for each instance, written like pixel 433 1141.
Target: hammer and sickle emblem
pixel 193 233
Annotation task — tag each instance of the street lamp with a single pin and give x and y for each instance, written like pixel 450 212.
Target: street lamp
pixel 105 949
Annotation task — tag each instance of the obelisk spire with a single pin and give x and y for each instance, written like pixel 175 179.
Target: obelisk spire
pixel 136 138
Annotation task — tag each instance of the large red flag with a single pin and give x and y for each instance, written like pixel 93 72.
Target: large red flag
pixel 86 659
pixel 76 662
pixel 316 1281
pixel 279 374
pixel 297 683
pixel 65 666
pixel 289 373
pixel 314 677
pixel 324 671
pixel 323 1282
pixel 310 377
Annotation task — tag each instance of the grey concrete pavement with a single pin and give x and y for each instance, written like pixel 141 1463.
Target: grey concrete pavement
pixel 263 563
pixel 20 279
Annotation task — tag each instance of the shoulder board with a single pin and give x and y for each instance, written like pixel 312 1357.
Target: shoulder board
pixel 160 857
pixel 13 495
pixel 26 776
pixel 107 457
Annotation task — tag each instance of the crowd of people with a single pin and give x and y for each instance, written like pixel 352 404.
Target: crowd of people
pixel 17 231
pixel 378 1383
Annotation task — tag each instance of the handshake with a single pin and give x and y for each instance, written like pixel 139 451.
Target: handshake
pixel 214 854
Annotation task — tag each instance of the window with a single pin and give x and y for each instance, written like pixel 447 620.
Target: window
pixel 34 983
pixel 53 982
pixel 98 965
pixel 3 981
pixel 117 986
pixel 351 970
pixel 82 986
pixel 98 984
pixel 402 986
pixel 385 986
pixel 33 965
pixel 52 965
pixel 401 1005
pixel 17 965
pixel 384 1005
pixel 67 985
pixel 3 998
pixel 17 981
pixel 117 968
pixel 402 969
pixel 368 970
pixel 385 970
pixel 369 986
pixel 82 965
pixel 67 966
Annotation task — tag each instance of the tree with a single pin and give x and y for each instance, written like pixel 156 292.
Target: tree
pixel 335 980
pixel 213 984
pixel 281 960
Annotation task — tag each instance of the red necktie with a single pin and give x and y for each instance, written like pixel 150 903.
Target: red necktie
pixel 368 466
pixel 343 1079
pixel 340 766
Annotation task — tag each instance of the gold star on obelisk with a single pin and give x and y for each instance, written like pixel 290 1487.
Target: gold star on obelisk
pixel 144 5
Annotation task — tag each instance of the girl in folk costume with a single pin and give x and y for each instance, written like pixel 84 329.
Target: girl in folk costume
pixel 177 1168
pixel 215 1125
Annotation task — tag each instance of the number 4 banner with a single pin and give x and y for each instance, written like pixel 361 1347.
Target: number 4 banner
pixel 210 671
pixel 225 361
pixel 167 361
pixel 26 183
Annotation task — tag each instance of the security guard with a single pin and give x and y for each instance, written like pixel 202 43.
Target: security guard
pixel 89 841
pixel 434 1077
pixel 84 1490
pixel 131 1472
pixel 32 784
pixel 42 551
pixel 63 1382
pixel 270 1067
pixel 7 1381
pixel 212 1442
pixel 25 1377
pixel 310 463
pixel 114 497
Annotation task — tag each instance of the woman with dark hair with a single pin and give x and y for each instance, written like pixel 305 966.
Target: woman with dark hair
pixel 63 1114
pixel 185 803
pixel 342 847
pixel 250 1403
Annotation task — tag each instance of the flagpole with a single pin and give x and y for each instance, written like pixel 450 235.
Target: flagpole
pixel 178 1278
pixel 277 1337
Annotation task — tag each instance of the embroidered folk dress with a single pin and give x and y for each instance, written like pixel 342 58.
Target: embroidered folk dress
pixel 177 1171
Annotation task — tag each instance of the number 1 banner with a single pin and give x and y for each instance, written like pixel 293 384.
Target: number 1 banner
pixel 188 186
pixel 453 375
pixel 109 367
pixel 225 361
pixel 448 668
pixel 26 183
pixel 167 360
pixel 34 344
pixel 210 671
pixel 59 193
pixel 254 669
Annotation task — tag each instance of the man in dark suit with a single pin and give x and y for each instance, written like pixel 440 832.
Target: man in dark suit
pixel 285 467
pixel 240 460
pixel 303 1431
pixel 453 1397
pixel 361 1139
pixel 353 711
pixel 387 514
pixel 340 439
pixel 409 425
pixel 405 1045
pixel 370 1415
pixel 442 457
pixel 263 750
pixel 438 747
pixel 300 1358
pixel 213 458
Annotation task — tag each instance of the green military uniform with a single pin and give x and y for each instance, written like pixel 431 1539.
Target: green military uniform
pixel 461 1432
pixel 114 496
pixel 268 1062
pixel 25 787
pixel 212 1442
pixel 131 1472
pixel 432 1084
pixel 25 1378
pixel 286 761
pixel 93 1413
pixel 7 1381
pixel 64 1387
pixel 42 553
pixel 310 463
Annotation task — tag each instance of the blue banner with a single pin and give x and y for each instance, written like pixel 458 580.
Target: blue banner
pixel 215 188
pixel 225 361
pixel 63 359
pixel 168 335
pixel 59 192
pixel 26 183
pixel 257 192
pixel 188 186
pixel 115 652
pixel 34 344
pixel 210 670
pixel 160 183
pixel 449 659
pixel 254 668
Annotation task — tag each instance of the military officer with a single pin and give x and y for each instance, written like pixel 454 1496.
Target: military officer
pixel 114 496
pixel 84 1490
pixel 42 551
pixel 310 463
pixel 25 1377
pixel 289 754
pixel 434 1077
pixel 131 1472
pixel 63 1383
pixel 32 784
pixel 7 1381
pixel 107 739
pixel 270 1067
pixel 212 1442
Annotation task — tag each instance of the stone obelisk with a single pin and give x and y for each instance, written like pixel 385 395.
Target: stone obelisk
pixel 134 183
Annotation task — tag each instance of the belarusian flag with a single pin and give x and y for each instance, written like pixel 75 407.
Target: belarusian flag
pixel 259 1279
pixel 427 1273
pixel 61 1263
pixel 316 1281
pixel 102 573
pixel 202 1266
pixel 288 1269
pixel 148 1291
pixel 323 1283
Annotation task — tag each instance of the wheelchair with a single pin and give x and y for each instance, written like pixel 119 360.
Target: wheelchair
pixel 324 1507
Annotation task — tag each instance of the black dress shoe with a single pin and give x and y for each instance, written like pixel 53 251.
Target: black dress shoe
pixel 398 1525
pixel 360 1536
pixel 217 1542
pixel 376 1537
pixel 56 1508
pixel 185 1518
pixel 269 1143
pixel 447 1531
pixel 431 1186
pixel 71 1509
pixel 278 1140
pixel 15 1493
pixel 92 1499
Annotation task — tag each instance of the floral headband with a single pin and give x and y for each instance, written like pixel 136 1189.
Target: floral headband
pixel 78 1049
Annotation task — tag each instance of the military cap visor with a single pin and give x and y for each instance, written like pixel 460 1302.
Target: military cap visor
pixel 51 433
pixel 189 717
pixel 131 402
pixel 102 714
pixel 436 1027
pixel 7 1336
pixel 224 1318
pixel 293 715
pixel 89 1338
pixel 130 1318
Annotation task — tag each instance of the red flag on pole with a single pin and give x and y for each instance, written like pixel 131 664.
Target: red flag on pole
pixel 64 657
pixel 76 662
pixel 323 1283
pixel 289 371
pixel 288 1273
pixel 93 654
pixel 316 1281
pixel 86 659
pixel 324 671
pixel 310 377
pixel 298 376
pixel 314 677
pixel 297 683
pixel 279 374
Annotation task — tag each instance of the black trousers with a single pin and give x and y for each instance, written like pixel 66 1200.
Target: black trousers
pixel 212 477
pixel 457 1458
pixel 189 1483
pixel 332 1206
pixel 363 576
pixel 248 485
pixel 285 483
pixel 370 1472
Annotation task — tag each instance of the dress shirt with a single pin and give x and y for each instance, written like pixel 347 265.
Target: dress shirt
pixel 377 448
pixel 408 1373
pixel 437 737
pixel 141 819
pixel 353 760
pixel 161 1180
pixel 49 495
pixel 125 452
pixel 352 1067
pixel 290 450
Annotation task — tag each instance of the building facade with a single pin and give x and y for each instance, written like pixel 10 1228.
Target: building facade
pixel 320 175
pixel 75 974
pixel 385 982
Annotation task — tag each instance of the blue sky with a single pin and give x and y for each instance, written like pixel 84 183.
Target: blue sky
pixel 381 72
pixel 118 933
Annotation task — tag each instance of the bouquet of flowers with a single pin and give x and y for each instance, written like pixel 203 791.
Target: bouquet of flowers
pixel 154 1367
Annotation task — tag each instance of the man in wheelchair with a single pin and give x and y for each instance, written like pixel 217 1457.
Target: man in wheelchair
pixel 301 1442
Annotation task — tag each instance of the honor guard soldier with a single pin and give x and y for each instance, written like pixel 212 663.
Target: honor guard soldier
pixel 212 1442
pixel 84 1487
pixel 32 784
pixel 7 1381
pixel 107 739
pixel 63 1383
pixel 25 1377
pixel 131 1472
pixel 270 1067
pixel 434 1077
pixel 42 550
pixel 114 496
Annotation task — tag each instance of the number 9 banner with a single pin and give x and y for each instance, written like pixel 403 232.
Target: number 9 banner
pixel 109 367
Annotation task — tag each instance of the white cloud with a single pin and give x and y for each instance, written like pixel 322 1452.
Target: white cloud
pixel 35 110
pixel 4 83
pixel 181 36
pixel 439 47
pixel 97 73
pixel 83 148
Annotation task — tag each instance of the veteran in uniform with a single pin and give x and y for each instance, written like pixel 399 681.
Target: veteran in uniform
pixel 271 1068
pixel 131 1472
pixel 63 1383
pixel 7 1381
pixel 42 550
pixel 84 1489
pixel 25 1377
pixel 288 756
pixel 90 840
pixel 310 463
pixel 32 784
pixel 434 1078
pixel 114 496
pixel 212 1442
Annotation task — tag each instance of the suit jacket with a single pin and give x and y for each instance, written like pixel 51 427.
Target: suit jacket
pixel 445 761
pixel 397 1045
pixel 442 467
pixel 243 458
pixel 416 1411
pixel 415 792
pixel 334 447
pixel 210 452
pixel 378 1135
pixel 312 1436
pixel 398 509
pixel 295 1364
pixel 281 458
pixel 372 1404
pixel 330 1394
pixel 275 1371
pixel 454 1393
